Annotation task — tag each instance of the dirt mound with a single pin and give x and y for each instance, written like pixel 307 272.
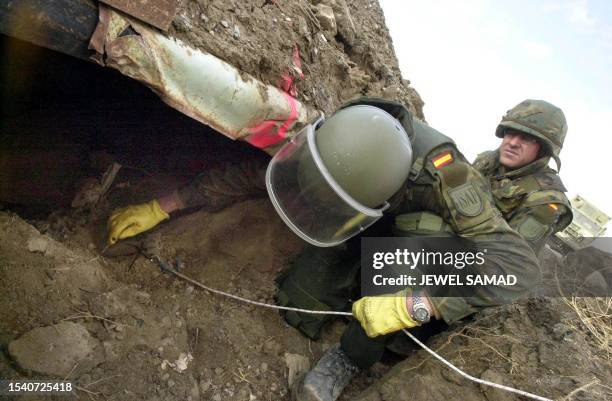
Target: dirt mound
pixel 331 50
pixel 154 337
pixel 145 334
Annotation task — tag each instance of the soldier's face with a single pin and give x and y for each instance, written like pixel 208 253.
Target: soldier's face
pixel 517 149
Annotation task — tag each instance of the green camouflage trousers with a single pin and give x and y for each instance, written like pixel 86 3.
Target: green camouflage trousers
pixel 328 279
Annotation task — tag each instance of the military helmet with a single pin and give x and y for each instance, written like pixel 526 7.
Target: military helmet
pixel 541 119
pixel 334 178
pixel 366 151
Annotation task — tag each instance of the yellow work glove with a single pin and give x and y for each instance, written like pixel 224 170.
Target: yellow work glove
pixel 383 314
pixel 132 220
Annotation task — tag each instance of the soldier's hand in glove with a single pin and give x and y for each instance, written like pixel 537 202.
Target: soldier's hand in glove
pixel 133 220
pixel 383 314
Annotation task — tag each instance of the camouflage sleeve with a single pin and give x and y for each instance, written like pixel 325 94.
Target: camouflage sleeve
pixel 220 187
pixel 538 218
pixel 467 204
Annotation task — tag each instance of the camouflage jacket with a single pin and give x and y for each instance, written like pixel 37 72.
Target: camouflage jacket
pixel 441 181
pixel 531 198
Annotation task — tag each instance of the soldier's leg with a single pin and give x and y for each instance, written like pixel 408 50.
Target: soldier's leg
pixel 365 351
pixel 319 279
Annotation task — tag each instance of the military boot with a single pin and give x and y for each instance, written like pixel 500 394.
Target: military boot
pixel 327 379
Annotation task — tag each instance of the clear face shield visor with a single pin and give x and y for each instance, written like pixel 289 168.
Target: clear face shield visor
pixel 309 200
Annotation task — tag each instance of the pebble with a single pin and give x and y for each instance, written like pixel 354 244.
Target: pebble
pixel 264 367
pixel 218 371
pixel 236 32
pixel 217 397
pixel 205 385
pixel 170 383
pixel 225 24
pixel 165 376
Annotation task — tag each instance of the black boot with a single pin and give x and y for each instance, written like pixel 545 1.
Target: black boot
pixel 326 381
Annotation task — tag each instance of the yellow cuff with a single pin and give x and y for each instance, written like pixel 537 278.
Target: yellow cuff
pixel 157 211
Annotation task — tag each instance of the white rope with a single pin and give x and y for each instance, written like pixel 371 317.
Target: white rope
pixel 467 376
pixel 248 301
pixel 320 312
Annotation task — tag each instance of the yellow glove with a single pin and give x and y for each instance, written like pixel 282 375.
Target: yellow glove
pixel 132 220
pixel 383 314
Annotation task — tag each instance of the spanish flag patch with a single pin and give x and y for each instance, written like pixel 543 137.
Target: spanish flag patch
pixel 442 159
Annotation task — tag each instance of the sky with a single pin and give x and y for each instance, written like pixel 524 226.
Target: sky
pixel 473 60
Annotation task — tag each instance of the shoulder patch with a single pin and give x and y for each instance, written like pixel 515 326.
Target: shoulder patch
pixel 467 200
pixel 531 229
pixel 443 159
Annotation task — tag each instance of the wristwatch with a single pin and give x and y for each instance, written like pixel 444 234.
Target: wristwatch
pixel 420 313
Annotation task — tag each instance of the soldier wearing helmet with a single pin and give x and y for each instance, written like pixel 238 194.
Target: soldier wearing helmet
pixel 529 194
pixel 336 179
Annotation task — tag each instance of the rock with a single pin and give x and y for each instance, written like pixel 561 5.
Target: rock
pixel 182 363
pixel 344 22
pixel 38 244
pixel 64 346
pixel 297 364
pixel 236 32
pixel 225 24
pixel 325 15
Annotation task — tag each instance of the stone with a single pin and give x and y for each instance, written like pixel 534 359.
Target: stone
pixel 327 19
pixel 38 244
pixel 296 364
pixel 56 350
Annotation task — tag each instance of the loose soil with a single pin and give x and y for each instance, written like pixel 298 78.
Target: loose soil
pixel 259 37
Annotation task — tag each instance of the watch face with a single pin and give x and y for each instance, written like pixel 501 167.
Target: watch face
pixel 421 315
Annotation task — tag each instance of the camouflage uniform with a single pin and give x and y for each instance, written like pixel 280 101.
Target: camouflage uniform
pixel 441 182
pixel 531 198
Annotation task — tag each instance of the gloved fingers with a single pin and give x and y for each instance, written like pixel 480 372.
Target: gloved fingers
pixel 123 231
pixel 130 231
pixel 117 225
pixel 117 213
pixel 377 315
